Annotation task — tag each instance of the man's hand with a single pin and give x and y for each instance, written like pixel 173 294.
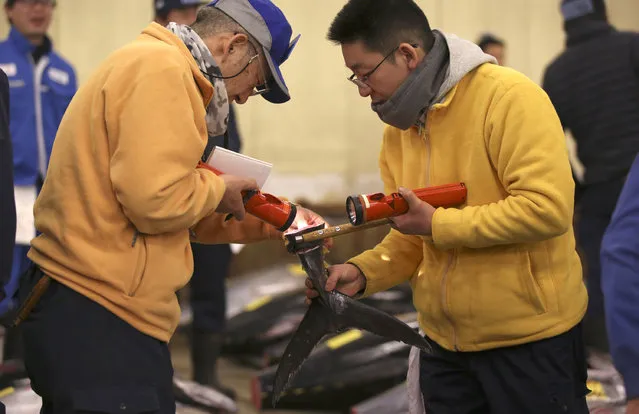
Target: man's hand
pixel 419 218
pixel 633 406
pixel 305 218
pixel 232 200
pixel 346 278
pixel 308 218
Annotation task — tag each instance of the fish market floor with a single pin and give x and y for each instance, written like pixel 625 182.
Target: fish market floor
pixel 235 376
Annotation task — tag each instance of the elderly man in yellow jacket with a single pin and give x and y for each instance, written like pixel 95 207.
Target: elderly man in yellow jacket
pixel 123 199
pixel 497 284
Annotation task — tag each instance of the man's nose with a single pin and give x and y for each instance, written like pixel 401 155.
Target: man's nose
pixel 364 90
pixel 243 97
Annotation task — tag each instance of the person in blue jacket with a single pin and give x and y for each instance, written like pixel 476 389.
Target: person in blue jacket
pixel 620 285
pixel 211 267
pixel 7 203
pixel 41 85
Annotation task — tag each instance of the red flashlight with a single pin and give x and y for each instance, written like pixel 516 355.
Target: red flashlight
pixel 365 208
pixel 266 207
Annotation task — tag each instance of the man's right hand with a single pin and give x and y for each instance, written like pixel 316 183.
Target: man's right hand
pixel 232 200
pixel 346 278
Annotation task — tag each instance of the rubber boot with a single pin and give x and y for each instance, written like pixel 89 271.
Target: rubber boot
pixel 205 351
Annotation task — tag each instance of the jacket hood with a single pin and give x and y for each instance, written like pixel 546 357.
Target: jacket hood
pixel 465 56
pixel 159 32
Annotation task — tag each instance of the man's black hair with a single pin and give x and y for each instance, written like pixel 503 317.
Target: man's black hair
pixel 162 15
pixel 381 25
pixel 488 39
pixel 11 3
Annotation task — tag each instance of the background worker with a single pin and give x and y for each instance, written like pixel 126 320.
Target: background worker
pixel 211 262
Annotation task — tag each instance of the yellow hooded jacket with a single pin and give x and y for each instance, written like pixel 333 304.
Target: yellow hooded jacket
pixel 501 270
pixel 123 191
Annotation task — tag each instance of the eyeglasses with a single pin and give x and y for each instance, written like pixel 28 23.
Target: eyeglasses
pixel 362 81
pixel 263 88
pixel 259 89
pixel 50 3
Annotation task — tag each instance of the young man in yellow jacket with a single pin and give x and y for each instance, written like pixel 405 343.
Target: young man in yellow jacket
pixel 497 283
pixel 123 198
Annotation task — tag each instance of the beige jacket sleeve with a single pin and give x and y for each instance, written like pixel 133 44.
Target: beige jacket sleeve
pixel 215 230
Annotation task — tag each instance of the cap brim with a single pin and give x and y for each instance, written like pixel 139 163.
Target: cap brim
pixel 277 90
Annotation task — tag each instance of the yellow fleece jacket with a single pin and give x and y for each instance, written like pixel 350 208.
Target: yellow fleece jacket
pixel 123 192
pixel 501 270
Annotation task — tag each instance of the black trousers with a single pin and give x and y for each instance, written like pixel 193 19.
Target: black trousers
pixel 211 264
pixel 596 204
pixel 544 377
pixel 81 358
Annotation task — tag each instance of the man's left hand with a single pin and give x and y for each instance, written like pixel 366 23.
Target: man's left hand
pixel 419 218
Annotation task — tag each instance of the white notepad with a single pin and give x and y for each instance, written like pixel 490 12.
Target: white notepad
pixel 25 198
pixel 233 163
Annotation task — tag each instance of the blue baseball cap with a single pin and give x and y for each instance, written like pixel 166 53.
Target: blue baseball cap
pixel 165 6
pixel 267 24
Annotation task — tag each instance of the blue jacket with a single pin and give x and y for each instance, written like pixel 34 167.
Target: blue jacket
pixel 7 202
pixel 35 117
pixel 235 142
pixel 620 282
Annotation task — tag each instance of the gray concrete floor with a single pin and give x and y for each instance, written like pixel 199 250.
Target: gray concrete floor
pixel 234 376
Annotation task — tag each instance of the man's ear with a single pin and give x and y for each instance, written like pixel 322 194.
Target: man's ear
pixel 409 53
pixel 236 42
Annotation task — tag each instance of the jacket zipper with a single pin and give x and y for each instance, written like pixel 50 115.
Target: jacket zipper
pixel 139 271
pixel 37 89
pixel 445 307
pixel 424 131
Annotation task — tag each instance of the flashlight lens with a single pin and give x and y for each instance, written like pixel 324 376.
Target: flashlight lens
pixel 354 210
pixel 350 209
